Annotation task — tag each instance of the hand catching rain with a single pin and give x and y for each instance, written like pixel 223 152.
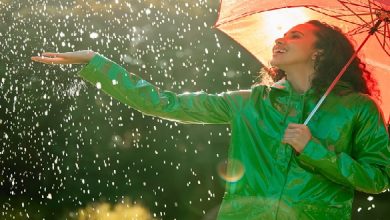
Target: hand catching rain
pixel 77 57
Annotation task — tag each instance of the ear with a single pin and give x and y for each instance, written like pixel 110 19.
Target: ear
pixel 317 54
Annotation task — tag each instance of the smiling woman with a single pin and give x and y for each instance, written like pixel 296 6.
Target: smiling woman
pixel 250 23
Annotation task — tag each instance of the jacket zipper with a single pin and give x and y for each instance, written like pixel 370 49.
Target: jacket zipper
pixel 302 102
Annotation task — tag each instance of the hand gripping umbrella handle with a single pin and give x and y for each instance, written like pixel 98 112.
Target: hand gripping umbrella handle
pixel 332 85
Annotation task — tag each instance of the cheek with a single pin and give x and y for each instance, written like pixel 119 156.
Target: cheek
pixel 307 50
pixel 303 53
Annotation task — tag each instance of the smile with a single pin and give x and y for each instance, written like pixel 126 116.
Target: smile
pixel 278 51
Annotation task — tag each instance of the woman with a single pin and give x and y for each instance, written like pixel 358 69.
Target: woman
pixel 292 171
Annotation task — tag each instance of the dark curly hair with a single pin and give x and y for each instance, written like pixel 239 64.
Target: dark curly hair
pixel 337 49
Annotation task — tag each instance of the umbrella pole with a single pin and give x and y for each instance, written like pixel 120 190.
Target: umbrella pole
pixel 332 85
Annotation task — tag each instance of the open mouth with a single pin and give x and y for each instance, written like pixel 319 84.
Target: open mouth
pixel 279 51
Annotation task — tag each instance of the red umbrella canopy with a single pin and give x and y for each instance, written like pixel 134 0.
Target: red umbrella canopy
pixel 255 24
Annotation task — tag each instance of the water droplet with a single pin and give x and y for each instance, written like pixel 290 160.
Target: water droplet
pixel 93 35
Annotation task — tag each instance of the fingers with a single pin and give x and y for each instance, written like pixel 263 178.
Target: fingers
pixel 290 141
pixel 293 125
pixel 295 129
pixel 49 57
pixel 76 57
pixel 53 58
pixel 51 54
pixel 48 60
pixel 297 135
pixel 292 131
pixel 63 55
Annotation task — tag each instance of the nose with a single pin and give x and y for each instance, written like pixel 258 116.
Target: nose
pixel 279 41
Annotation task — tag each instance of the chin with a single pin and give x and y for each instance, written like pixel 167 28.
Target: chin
pixel 273 63
pixel 276 64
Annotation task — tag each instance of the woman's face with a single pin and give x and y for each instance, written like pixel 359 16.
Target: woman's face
pixel 296 48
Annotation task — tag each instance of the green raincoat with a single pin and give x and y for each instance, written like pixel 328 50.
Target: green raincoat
pixel 349 149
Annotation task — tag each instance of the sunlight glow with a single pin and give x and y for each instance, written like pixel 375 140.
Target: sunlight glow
pixel 275 27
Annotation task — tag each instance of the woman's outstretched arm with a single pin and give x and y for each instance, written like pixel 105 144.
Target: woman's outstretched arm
pixel 198 107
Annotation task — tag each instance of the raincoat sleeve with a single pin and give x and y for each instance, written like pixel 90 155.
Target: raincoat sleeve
pixel 367 168
pixel 139 94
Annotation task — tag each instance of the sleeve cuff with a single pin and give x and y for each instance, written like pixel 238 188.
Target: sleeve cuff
pixel 313 152
pixel 96 63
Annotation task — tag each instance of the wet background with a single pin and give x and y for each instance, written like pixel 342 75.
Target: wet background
pixel 67 149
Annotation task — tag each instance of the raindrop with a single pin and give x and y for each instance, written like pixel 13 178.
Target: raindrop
pixel 98 85
pixel 93 35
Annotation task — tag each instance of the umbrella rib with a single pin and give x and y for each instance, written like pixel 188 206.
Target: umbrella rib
pixel 236 18
pixel 353 4
pixel 373 3
pixel 388 53
pixel 254 12
pixel 342 11
pixel 330 15
pixel 383 31
pixel 339 12
pixel 388 29
pixel 382 44
pixel 345 5
pixel 357 30
pixel 385 43
pixel 384 38
pixel 350 15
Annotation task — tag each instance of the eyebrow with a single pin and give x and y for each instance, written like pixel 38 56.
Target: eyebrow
pixel 294 32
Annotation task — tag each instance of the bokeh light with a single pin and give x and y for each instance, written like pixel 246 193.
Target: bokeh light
pixel 231 170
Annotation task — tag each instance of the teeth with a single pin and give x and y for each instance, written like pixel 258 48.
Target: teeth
pixel 280 51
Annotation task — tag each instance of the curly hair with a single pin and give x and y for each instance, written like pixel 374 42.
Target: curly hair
pixel 337 49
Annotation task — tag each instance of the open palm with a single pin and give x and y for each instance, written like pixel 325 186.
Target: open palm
pixel 76 57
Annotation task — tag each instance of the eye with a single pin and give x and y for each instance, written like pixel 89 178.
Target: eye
pixel 295 36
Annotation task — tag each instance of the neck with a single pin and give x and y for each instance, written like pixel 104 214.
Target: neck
pixel 300 79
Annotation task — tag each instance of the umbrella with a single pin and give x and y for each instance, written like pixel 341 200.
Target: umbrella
pixel 255 24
